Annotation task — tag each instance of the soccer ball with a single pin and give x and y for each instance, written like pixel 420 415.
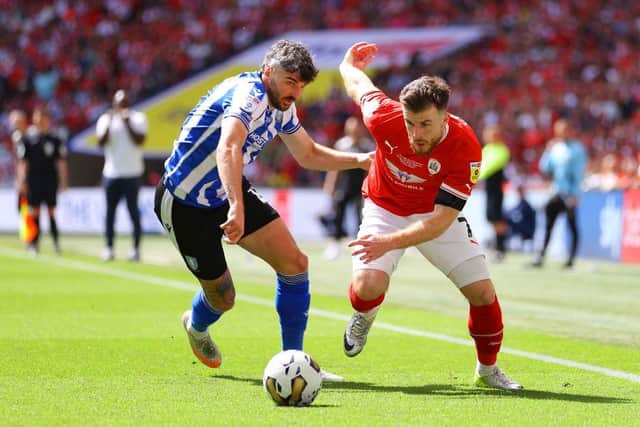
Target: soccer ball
pixel 292 378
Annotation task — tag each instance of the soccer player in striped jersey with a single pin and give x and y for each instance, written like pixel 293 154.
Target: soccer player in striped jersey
pixel 427 160
pixel 204 198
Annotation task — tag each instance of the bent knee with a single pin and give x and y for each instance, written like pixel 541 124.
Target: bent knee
pixel 369 293
pixel 220 293
pixel 296 263
pixel 480 293
pixel 222 301
pixel 370 284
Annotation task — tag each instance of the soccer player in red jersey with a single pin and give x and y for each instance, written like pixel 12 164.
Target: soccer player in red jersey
pixel 427 160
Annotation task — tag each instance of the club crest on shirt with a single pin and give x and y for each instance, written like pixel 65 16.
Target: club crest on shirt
pixel 433 166
pixel 475 171
pixel 251 104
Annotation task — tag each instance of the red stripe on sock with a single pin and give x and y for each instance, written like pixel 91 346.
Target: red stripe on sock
pixel 361 305
pixel 485 327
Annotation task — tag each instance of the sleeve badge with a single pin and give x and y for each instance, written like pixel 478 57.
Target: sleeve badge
pixel 475 172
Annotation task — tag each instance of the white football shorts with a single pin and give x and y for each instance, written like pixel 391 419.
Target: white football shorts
pixel 455 252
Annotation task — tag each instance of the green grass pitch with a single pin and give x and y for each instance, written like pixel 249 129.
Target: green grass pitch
pixel 88 343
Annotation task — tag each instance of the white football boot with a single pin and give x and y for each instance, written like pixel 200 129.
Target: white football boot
pixel 201 343
pixel 355 336
pixel 493 377
pixel 329 377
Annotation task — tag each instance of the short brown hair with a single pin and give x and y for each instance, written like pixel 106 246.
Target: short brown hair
pixel 421 93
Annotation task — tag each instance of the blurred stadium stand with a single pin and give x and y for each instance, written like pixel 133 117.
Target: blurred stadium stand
pixel 544 59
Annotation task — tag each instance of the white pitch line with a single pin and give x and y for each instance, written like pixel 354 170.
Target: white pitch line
pixel 176 284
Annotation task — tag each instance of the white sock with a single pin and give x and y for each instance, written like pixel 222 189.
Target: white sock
pixel 371 313
pixel 196 333
pixel 484 369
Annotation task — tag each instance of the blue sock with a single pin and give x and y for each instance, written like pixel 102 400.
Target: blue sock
pixel 292 304
pixel 202 314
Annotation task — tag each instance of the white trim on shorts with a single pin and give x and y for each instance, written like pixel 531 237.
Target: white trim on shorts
pixel 446 252
pixel 166 214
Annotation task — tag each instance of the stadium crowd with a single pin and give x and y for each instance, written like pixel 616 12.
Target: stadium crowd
pixel 543 60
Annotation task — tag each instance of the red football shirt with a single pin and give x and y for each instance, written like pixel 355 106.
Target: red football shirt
pixel 405 183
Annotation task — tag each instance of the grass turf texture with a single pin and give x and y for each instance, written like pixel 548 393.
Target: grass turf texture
pixel 86 343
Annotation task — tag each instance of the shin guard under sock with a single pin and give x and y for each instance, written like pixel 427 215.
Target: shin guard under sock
pixel 292 303
pixel 485 327
pixel 202 314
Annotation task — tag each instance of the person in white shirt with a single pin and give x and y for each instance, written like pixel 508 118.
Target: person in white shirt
pixel 121 132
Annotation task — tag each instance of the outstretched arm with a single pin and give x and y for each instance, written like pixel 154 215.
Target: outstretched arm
pixel 356 59
pixel 311 155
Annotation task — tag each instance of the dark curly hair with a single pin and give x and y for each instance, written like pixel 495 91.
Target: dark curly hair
pixel 293 57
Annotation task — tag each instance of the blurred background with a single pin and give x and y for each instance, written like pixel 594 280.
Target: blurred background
pixel 526 64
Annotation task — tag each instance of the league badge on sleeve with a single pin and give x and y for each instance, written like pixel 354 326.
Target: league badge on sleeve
pixel 475 172
pixel 251 104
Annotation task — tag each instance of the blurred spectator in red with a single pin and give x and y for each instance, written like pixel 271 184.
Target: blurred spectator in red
pixel 544 60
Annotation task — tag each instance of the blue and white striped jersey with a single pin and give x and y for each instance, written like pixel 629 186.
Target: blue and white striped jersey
pixel 191 173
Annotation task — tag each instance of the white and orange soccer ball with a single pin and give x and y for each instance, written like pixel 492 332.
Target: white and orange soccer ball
pixel 292 378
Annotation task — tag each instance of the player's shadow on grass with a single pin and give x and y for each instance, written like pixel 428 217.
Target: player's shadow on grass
pixel 470 390
pixel 451 390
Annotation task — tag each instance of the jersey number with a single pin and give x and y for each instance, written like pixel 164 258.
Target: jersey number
pixel 469 232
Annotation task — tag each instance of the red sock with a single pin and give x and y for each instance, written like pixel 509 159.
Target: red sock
pixel 361 305
pixel 485 327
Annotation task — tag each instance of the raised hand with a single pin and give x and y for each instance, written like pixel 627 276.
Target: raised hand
pixel 360 54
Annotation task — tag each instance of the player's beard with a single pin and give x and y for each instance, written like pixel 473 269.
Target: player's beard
pixel 426 147
pixel 275 99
